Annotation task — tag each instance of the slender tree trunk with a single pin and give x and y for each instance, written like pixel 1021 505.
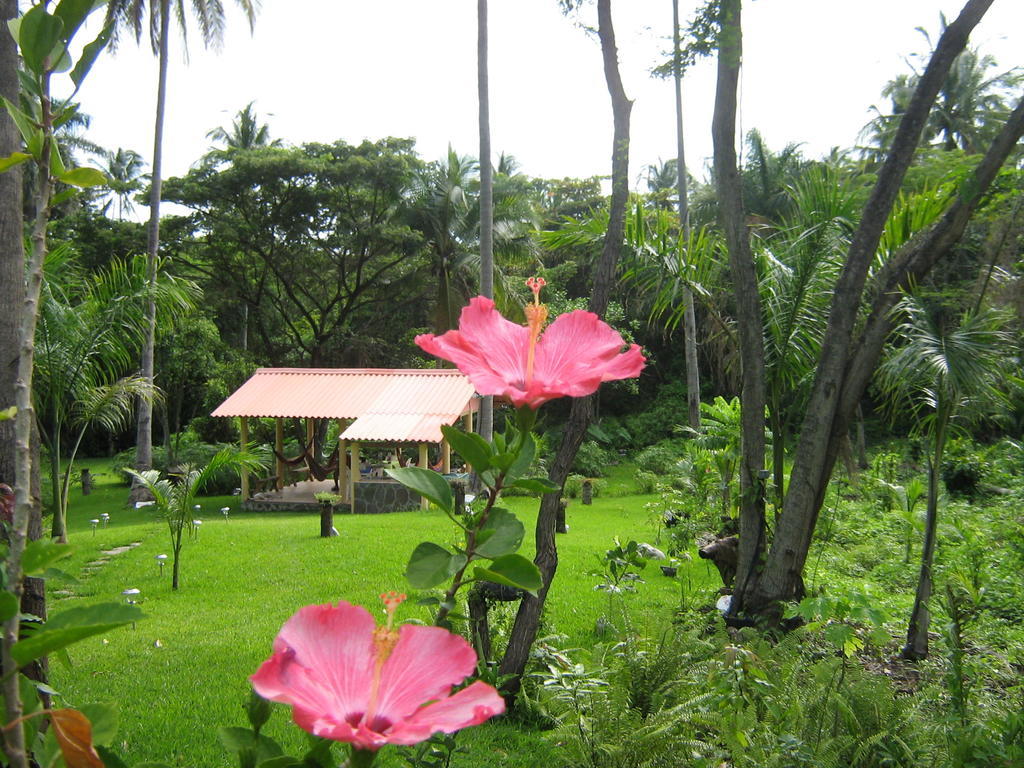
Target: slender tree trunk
pixel 12 277
pixel 144 433
pixel 524 631
pixel 14 739
pixel 12 244
pixel 486 423
pixel 920 617
pixel 845 363
pixel 748 301
pixel 689 312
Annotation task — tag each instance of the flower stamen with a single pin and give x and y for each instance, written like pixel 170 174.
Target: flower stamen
pixel 536 316
pixel 384 640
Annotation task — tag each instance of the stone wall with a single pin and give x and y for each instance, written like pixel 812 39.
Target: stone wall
pixel 376 496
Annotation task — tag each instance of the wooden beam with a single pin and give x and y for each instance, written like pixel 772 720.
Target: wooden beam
pixel 343 461
pixel 424 464
pixel 279 447
pixel 243 441
pixel 446 457
pixel 352 476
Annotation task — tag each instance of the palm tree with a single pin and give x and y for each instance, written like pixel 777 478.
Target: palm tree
pixel 129 15
pixel 971 106
pixel 245 132
pixel 948 371
pixel 89 328
pixel 447 211
pixel 124 170
pixel 175 499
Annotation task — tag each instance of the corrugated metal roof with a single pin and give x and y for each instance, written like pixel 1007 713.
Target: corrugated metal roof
pixel 388 404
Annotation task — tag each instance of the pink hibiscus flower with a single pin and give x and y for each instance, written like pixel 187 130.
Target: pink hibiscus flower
pixel 570 358
pixel 349 680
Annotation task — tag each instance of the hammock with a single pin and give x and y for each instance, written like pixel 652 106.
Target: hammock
pixel 298 459
pixel 317 470
pixel 323 471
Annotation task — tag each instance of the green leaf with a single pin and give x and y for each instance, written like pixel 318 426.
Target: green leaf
pixel 15 158
pixel 501 535
pixel 104 718
pixel 89 55
pixel 513 571
pixel 284 761
pixel 430 565
pixel 237 739
pixel 73 12
pixel 41 554
pixel 470 446
pixel 535 485
pixel 56 161
pixel 8 605
pixel 258 710
pixel 524 458
pixel 30 132
pixel 38 35
pixel 427 483
pixel 64 194
pixel 84 177
pixel 71 626
pixel 8 413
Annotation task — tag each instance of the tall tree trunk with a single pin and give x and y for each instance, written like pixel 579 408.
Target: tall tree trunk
pixel 920 617
pixel 144 429
pixel 12 277
pixel 748 301
pixel 845 363
pixel 486 423
pixel 12 244
pixel 524 631
pixel 689 312
pixel 14 739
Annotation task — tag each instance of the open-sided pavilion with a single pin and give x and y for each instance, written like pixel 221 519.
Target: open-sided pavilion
pixel 372 405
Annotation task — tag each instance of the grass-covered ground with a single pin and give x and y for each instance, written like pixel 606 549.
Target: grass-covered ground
pixel 181 673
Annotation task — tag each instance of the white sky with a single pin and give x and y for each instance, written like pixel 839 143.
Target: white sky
pixel 321 70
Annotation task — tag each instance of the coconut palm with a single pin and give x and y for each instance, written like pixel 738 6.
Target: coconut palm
pixel 123 168
pixel 130 16
pixel 971 107
pixel 245 132
pixel 445 209
pixel 946 371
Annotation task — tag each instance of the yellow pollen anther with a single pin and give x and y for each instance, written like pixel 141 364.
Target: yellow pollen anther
pixel 536 316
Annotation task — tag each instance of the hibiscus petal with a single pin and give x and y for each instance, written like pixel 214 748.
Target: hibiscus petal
pixel 322 661
pixel 424 664
pixel 470 706
pixel 578 351
pixel 489 349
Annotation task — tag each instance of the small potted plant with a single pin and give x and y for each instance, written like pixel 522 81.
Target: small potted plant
pixel 327 502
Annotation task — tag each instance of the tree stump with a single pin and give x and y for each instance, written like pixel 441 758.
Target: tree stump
pixel 587 492
pixel 86 482
pixel 327 520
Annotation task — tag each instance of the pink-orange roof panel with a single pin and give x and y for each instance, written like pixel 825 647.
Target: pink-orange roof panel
pixel 424 399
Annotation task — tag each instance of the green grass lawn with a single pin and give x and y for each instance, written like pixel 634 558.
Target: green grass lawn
pixel 181 673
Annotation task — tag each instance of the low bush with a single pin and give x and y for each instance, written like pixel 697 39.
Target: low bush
pixel 662 458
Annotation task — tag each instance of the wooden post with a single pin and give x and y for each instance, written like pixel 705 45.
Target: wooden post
pixel 243 441
pixel 424 464
pixel 279 447
pixel 352 477
pixel 343 460
pixel 467 421
pixel 309 431
pixel 446 457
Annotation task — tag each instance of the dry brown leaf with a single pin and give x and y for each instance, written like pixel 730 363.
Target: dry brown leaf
pixel 74 735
